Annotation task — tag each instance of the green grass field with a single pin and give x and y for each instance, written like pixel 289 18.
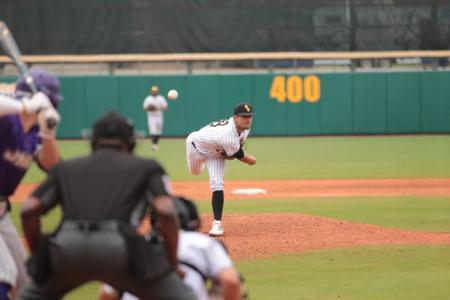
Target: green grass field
pixel 382 272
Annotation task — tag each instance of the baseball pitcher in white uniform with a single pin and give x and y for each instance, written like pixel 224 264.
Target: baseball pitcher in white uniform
pixel 155 105
pixel 212 145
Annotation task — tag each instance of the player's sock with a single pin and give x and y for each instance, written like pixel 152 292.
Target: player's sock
pixel 217 204
pixel 155 141
pixel 4 289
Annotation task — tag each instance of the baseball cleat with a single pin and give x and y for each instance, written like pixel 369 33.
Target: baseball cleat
pixel 155 147
pixel 216 229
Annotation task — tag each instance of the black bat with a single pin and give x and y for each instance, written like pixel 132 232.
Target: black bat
pixel 11 49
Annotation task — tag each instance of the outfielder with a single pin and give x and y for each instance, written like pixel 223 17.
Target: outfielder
pixel 24 137
pixel 155 105
pixel 213 145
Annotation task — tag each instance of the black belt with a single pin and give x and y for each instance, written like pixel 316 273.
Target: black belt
pixel 90 226
pixel 193 144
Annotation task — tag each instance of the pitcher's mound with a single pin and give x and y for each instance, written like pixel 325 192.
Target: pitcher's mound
pixel 252 191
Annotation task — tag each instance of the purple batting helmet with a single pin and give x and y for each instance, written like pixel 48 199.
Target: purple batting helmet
pixel 45 82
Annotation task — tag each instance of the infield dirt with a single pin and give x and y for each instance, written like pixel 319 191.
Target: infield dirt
pixel 265 235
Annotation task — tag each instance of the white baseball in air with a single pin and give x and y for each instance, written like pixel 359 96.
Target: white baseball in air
pixel 172 94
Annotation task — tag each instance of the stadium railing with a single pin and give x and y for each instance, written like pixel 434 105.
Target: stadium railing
pixel 245 62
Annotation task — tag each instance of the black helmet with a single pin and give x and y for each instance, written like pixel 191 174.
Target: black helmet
pixel 187 213
pixel 113 125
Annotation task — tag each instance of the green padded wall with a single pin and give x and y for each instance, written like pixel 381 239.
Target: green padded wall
pixel 403 99
pixel 202 100
pixel 73 107
pixel 271 116
pixel 435 106
pixel 102 94
pixel 369 103
pixel 336 113
pixel 285 104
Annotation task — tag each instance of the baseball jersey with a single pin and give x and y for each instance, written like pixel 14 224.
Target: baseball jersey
pixel 206 254
pixel 17 151
pixel 158 101
pixel 219 138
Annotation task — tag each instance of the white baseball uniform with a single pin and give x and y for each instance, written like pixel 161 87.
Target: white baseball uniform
pixel 206 254
pixel 155 119
pixel 208 145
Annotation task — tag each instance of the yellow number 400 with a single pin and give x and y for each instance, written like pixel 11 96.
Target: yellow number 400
pixel 295 89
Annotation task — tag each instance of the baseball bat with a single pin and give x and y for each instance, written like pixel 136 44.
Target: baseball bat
pixel 11 49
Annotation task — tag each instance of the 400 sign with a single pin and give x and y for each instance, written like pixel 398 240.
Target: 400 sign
pixel 295 89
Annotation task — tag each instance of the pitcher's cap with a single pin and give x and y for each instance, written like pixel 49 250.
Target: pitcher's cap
pixel 243 109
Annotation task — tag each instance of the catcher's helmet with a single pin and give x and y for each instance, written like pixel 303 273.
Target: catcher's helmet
pixel 187 213
pixel 44 81
pixel 111 126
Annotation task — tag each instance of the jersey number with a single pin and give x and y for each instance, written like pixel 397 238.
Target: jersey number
pixel 219 123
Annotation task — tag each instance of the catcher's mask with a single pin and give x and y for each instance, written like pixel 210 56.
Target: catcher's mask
pixel 44 81
pixel 187 213
pixel 112 130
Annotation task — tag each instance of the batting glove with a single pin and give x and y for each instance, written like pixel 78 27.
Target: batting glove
pixel 48 120
pixel 37 103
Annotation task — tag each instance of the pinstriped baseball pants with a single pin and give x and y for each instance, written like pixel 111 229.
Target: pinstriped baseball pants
pixel 196 163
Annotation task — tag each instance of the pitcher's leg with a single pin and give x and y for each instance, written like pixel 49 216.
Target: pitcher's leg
pixel 195 160
pixel 216 170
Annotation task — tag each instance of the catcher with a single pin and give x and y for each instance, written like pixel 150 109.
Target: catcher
pixel 207 267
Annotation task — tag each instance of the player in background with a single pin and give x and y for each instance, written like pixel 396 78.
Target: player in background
pixel 24 137
pixel 213 145
pixel 155 105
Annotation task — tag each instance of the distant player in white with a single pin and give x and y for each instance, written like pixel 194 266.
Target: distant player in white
pixel 155 105
pixel 213 145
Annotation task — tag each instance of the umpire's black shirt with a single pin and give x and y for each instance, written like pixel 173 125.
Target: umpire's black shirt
pixel 107 184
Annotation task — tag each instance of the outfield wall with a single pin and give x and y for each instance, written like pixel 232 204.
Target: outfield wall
pixel 286 104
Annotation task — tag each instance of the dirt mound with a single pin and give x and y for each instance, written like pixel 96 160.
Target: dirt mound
pixel 266 235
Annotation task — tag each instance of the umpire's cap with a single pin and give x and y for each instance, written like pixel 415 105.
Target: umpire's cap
pixel 243 109
pixel 44 81
pixel 110 126
pixel 187 213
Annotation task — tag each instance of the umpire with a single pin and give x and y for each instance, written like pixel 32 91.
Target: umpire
pixel 103 197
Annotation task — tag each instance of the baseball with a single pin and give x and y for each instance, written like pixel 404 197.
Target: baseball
pixel 172 95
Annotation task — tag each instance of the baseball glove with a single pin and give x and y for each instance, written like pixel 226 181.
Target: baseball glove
pixel 151 107
pixel 225 156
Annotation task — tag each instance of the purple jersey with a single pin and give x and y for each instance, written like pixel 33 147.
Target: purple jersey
pixel 17 150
